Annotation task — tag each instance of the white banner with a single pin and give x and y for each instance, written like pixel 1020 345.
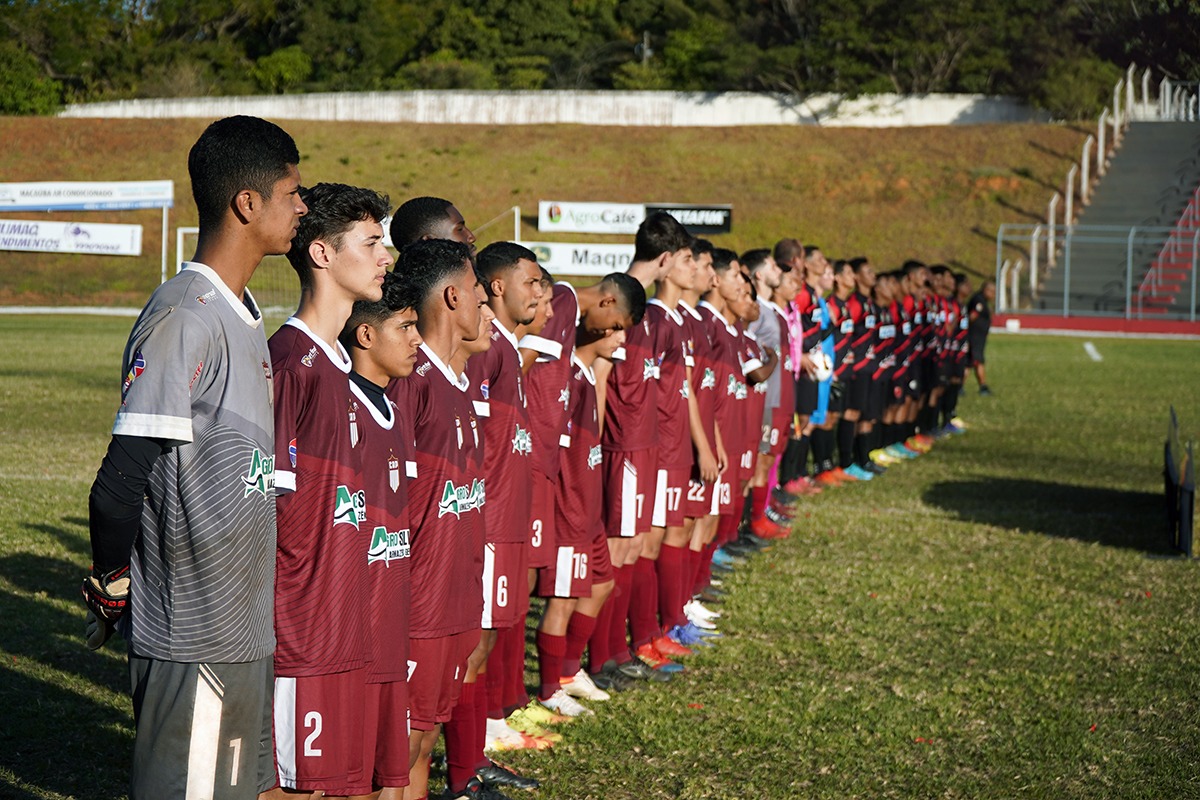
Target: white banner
pixel 97 238
pixel 576 258
pixel 80 196
pixel 624 218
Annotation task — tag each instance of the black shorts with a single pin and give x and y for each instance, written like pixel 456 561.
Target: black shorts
pixel 975 345
pixel 878 398
pixel 945 371
pixel 857 390
pixel 806 395
pixel 837 398
pixel 930 366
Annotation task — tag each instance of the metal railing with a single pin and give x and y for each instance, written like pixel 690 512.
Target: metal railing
pixel 1127 250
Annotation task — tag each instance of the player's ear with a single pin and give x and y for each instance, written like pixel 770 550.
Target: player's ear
pixel 364 335
pixel 495 288
pixel 319 253
pixel 450 296
pixel 607 300
pixel 245 203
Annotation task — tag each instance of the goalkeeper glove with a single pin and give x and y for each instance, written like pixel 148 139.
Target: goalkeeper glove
pixel 106 596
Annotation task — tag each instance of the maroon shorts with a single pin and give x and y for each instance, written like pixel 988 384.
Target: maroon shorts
pixel 505 594
pixel 629 482
pixel 437 667
pixel 698 500
pixel 668 497
pixel 541 526
pixel 319 741
pixel 570 574
pixel 385 725
pixel 601 566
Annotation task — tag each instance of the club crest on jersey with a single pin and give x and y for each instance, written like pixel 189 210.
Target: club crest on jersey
pixel 522 442
pixel 564 397
pixel 685 390
pixel 393 472
pixel 135 370
pixel 196 375
pixel 203 299
pixel 388 546
pixel 484 388
pixel 475 430
pixel 260 477
pixel 732 386
pixel 307 360
pixel 709 381
pixel 458 430
pixel 594 457
pixel 349 507
pixel 292 452
pixel 352 411
pixel 649 369
pixel 458 500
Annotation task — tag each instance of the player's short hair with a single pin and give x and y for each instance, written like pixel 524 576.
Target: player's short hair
pixel 547 278
pixel 701 246
pixel 960 278
pixel 630 294
pixel 427 265
pixel 842 264
pixel 939 269
pixel 723 259
pixel 787 249
pixel 500 258
pixel 417 218
pixel 858 262
pixel 912 265
pixel 234 154
pixel 659 233
pixel 333 209
pixel 755 260
pixel 398 295
pixel 812 248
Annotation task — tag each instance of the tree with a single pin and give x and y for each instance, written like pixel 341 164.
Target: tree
pixel 23 87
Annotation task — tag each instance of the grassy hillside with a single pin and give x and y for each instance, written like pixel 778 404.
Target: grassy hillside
pixel 938 194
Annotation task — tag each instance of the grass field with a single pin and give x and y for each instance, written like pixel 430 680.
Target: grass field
pixel 937 194
pixel 999 618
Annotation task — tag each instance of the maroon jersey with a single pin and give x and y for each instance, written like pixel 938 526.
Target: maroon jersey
pixel 547 391
pixel 787 374
pixel 674 430
pixel 579 489
pixel 446 499
pixel 496 376
pixel 728 405
pixel 705 384
pixel 387 468
pixel 632 391
pixel 320 564
pixel 751 357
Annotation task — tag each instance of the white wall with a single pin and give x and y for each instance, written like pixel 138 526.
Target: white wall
pixel 679 109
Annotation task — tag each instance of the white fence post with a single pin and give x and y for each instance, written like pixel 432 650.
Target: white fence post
pixel 1085 178
pixel 1101 151
pixel 1116 115
pixel 1033 260
pixel 1002 286
pixel 1146 93
pixel 1051 221
pixel 1014 291
pixel 1129 94
pixel 1164 98
pixel 1069 215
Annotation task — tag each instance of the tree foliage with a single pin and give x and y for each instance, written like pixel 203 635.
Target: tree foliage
pixel 1061 54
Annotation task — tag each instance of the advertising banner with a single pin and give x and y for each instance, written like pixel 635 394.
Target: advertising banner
pixel 96 238
pixel 86 196
pixel 582 258
pixel 554 215
pixel 697 219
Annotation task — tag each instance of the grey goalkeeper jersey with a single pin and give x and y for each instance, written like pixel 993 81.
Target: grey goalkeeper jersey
pixel 197 373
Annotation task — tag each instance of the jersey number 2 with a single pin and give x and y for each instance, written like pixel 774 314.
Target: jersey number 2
pixel 312 720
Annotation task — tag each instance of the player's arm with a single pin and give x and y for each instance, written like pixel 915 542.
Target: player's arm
pixel 722 455
pixel 762 373
pixel 114 520
pixel 704 452
pixel 601 368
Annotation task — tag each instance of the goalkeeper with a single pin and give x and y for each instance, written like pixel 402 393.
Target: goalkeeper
pixel 183 507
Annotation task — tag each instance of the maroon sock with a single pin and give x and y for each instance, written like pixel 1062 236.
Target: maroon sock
pixel 550 660
pixel 515 694
pixel 704 569
pixel 579 630
pixel 618 642
pixel 598 645
pixel 479 733
pixel 727 531
pixel 493 680
pixel 670 563
pixel 459 733
pixel 643 603
pixel 692 585
pixel 758 502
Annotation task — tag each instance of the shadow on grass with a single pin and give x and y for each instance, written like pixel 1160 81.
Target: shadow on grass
pixel 1134 520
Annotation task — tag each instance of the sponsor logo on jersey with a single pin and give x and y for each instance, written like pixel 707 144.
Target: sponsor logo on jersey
pixel 522 442
pixel 393 472
pixel 869 321
pixel 847 326
pixel 475 430
pixel 685 390
pixel 458 500
pixel 260 477
pixel 649 369
pixel 135 370
pixel 388 546
pixel 349 508
pixel 352 412
pixel 203 299
pixel 195 375
pixel 594 457
pixel 709 381
pixel 292 452
pixel 731 386
pixel 424 369
pixel 458 430
pixel 307 360
pixel 564 397
pixel 484 388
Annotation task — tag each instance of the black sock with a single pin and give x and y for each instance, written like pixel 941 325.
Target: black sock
pixel 949 404
pixel 802 456
pixel 845 434
pixel 789 462
pixel 862 448
pixel 822 447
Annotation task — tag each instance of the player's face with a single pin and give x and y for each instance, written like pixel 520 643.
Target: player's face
pixel 361 261
pixel 610 343
pixel 397 342
pixel 455 228
pixel 523 292
pixel 706 277
pixel 471 297
pixel 845 279
pixel 989 292
pixel 682 269
pixel 483 338
pixel 281 213
pixel 771 274
pixel 865 278
pixel 730 283
pixel 544 312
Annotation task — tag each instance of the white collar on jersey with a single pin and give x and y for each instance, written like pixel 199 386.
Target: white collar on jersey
pixel 506 333
pixel 719 317
pixel 458 381
pixel 672 313
pixel 578 313
pixel 339 357
pixel 588 372
pixel 772 304
pixel 684 305
pixel 247 310
pixel 384 422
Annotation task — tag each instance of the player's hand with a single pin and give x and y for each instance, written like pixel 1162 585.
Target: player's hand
pixel 107 596
pixel 722 459
pixel 808 365
pixel 708 467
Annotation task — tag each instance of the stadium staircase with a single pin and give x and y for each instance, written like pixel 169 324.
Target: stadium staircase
pixel 1153 181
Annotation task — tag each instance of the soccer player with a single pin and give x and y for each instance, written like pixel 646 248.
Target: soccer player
pixel 446 498
pixel 429 218
pixel 322 649
pixel 382 341
pixel 861 399
pixel 182 512
pixel 979 322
